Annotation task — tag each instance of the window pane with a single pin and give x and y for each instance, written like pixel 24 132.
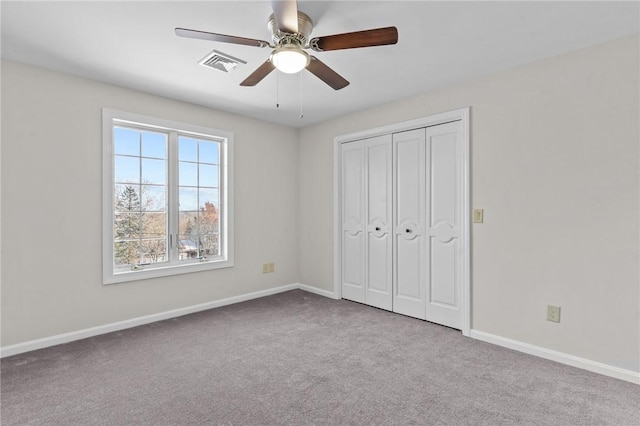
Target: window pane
pixel 208 219
pixel 187 149
pixel 154 251
pixel 127 198
pixel 188 223
pixel 188 174
pixel 118 190
pixel 208 245
pixel 208 175
pixel 209 152
pixel 154 145
pixel 127 226
pixel 127 169
pixel 154 198
pixel 126 253
pixel 188 199
pixel 154 171
pixel 187 247
pixel 154 225
pixel 208 196
pixel 126 141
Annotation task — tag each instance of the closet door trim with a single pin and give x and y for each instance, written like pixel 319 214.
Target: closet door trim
pixel 462 115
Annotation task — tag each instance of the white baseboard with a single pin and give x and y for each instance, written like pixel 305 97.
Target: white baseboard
pixel 315 290
pixel 46 342
pixel 596 367
pixel 574 361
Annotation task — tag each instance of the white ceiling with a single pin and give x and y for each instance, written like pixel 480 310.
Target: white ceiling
pixel 133 44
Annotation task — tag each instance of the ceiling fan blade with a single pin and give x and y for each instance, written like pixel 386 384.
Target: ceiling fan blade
pixel 366 38
pixel 203 35
pixel 326 74
pixel 260 73
pixel 286 14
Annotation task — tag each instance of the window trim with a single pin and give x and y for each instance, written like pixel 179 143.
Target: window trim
pixel 109 119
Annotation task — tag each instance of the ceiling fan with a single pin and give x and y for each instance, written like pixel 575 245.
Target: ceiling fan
pixel 291 29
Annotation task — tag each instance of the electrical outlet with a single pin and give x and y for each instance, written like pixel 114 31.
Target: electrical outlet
pixel 267 268
pixel 553 313
pixel 478 215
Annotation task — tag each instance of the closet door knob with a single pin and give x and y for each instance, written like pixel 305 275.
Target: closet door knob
pixel 377 228
pixel 408 231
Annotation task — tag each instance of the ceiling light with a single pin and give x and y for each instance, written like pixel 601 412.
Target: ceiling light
pixel 289 59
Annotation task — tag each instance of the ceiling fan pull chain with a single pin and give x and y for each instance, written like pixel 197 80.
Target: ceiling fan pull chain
pixel 277 88
pixel 300 95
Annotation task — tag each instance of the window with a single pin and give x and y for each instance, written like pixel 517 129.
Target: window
pixel 167 197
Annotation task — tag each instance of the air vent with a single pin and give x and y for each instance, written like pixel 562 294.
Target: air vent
pixel 221 61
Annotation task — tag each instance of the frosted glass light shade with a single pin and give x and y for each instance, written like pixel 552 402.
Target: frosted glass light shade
pixel 289 60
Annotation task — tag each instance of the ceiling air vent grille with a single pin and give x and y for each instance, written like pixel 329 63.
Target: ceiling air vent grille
pixel 221 61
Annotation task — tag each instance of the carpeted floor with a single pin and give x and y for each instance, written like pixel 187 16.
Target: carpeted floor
pixel 295 359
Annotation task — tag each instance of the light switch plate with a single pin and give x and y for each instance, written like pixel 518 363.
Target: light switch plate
pixel 478 215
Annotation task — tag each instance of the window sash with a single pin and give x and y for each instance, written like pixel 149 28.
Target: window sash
pixel 113 273
pixel 139 186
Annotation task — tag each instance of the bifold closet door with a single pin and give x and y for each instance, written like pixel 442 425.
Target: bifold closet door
pixel 428 255
pixel 409 293
pixel 353 222
pixel 402 200
pixel 366 221
pixel 445 189
pixel 379 242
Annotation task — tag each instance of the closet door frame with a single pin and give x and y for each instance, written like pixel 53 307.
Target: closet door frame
pixel 462 115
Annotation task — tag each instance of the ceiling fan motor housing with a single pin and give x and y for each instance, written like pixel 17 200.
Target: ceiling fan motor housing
pixel 301 38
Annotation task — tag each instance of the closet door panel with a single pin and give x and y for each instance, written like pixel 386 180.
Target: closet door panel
pixel 378 213
pixel 443 276
pixel 353 222
pixel 409 221
pixel 445 196
pixel 408 277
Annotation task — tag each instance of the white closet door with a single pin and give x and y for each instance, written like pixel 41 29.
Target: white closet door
pixel 404 213
pixel 366 221
pixel 409 296
pixel 446 256
pixel 378 213
pixel 353 222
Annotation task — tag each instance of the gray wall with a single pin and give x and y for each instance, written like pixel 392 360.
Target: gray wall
pixel 51 200
pixel 555 165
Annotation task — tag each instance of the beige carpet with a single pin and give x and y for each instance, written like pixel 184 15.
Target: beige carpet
pixel 296 359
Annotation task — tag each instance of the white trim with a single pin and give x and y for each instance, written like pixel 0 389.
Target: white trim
pixel 561 357
pixel 461 114
pixel 466 224
pixel 32 345
pixel 59 339
pixel 318 291
pixel 172 266
pixel 337 220
pixel 431 120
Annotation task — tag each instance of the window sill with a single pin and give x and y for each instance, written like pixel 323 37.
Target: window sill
pixel 166 271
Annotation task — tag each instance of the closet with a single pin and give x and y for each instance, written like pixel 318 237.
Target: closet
pixel 403 231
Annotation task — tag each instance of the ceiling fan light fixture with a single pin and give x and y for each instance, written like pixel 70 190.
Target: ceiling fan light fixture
pixel 290 59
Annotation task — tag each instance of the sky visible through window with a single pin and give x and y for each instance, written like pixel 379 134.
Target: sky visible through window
pixel 141 159
pixel 198 174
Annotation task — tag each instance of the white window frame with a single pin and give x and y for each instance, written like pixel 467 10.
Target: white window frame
pixel 111 118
